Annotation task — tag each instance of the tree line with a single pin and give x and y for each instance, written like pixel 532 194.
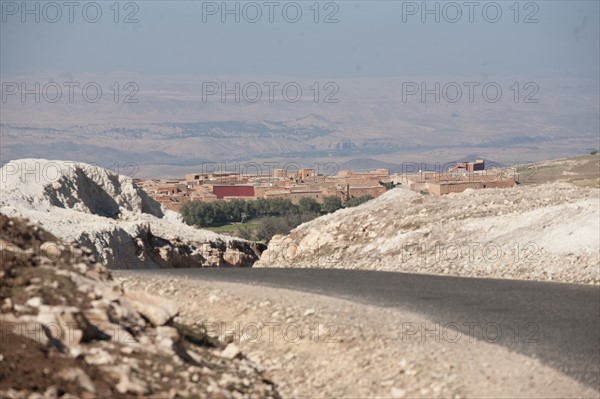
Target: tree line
pixel 276 215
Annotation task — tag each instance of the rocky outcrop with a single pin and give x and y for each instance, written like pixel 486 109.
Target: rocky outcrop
pixel 68 328
pixel 107 213
pixel 543 232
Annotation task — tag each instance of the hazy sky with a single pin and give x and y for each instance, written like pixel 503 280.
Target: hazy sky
pixel 375 38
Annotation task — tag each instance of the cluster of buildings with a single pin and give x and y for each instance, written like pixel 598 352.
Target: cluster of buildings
pixel 306 182
pixel 459 178
pixel 281 183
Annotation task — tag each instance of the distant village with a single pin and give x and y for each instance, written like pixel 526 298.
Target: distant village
pixel 307 182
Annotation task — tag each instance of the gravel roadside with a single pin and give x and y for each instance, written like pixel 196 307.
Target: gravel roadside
pixel 317 346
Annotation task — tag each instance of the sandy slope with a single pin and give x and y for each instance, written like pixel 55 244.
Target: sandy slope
pixel 543 232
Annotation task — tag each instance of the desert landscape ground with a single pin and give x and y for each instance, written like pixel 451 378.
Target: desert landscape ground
pixel 122 334
pixel 299 199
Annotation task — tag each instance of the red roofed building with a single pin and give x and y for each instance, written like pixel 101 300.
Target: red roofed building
pixel 233 191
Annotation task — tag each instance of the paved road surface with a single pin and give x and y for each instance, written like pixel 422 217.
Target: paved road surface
pixel 557 323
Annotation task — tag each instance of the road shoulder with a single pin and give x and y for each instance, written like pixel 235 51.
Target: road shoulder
pixel 318 346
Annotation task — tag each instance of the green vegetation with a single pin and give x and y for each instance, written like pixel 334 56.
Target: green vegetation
pixel 219 213
pixel 261 219
pixel 235 227
pixel 388 185
pixel 357 201
pixel 331 204
pixel 308 205
pixel 269 226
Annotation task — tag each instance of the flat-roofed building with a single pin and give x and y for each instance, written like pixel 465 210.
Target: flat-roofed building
pixel 443 188
pixel 222 191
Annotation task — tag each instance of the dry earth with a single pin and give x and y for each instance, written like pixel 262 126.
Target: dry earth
pixel 310 346
pixel 582 171
pixel 69 330
pixel 316 347
pixel 541 232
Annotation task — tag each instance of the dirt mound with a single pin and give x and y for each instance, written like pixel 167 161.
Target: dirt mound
pixel 110 215
pixel 544 232
pixel 68 328
pixel 582 171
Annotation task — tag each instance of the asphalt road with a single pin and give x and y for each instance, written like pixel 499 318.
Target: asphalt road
pixel 557 323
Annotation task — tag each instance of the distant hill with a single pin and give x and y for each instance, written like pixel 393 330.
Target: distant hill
pixel 364 164
pixel 104 156
pixel 583 171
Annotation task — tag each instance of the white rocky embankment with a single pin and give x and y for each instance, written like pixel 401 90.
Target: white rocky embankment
pixel 543 232
pixel 106 212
